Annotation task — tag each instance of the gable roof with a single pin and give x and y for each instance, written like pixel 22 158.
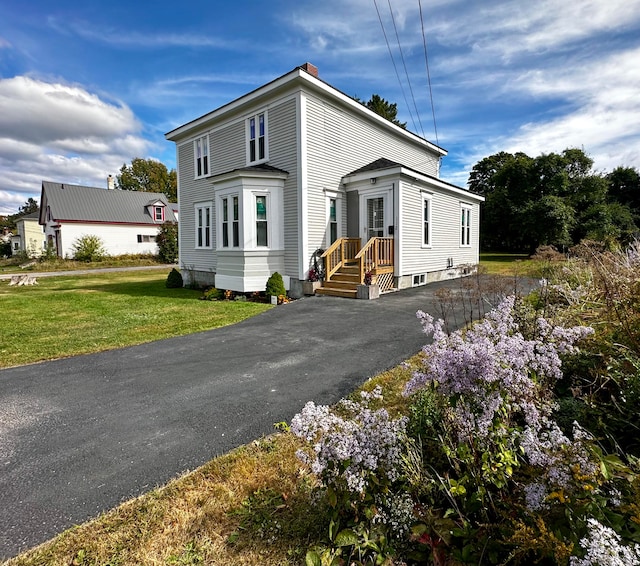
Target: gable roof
pixel 383 164
pixel 301 76
pixel 77 203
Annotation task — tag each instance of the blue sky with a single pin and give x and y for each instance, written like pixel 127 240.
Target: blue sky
pixel 87 86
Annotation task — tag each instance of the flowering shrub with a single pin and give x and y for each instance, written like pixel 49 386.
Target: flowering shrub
pixel 603 547
pixel 351 451
pixel 481 471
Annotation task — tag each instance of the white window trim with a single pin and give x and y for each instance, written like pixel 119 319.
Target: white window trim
pixel 329 195
pixel 426 197
pixel 229 195
pixel 254 218
pixel 465 229
pixel 266 137
pixel 203 206
pixel 205 173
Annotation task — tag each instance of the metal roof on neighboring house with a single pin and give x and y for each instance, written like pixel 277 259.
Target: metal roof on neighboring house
pixel 78 203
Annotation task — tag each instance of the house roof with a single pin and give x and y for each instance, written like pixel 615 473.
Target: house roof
pixel 383 164
pixel 301 75
pixel 31 216
pixel 77 203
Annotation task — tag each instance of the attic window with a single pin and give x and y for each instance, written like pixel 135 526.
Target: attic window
pixel 158 213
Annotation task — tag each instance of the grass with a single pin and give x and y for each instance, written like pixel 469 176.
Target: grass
pixel 510 264
pixel 71 315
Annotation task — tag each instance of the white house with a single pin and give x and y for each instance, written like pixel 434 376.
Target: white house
pixel 296 166
pixel 127 222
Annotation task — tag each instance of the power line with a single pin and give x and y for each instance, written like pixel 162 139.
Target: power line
pixel 426 60
pixel 406 72
pixel 394 64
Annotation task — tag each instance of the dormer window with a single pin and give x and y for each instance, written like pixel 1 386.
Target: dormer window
pixel 257 149
pixel 158 213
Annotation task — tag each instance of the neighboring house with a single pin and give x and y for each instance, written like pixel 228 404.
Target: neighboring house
pixel 29 237
pixel 127 222
pixel 296 166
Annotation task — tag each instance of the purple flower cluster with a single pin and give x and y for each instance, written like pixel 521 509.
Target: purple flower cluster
pixel 491 370
pixel 350 450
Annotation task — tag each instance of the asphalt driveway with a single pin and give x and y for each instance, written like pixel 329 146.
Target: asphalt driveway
pixel 80 435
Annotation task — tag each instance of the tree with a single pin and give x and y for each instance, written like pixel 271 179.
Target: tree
pixel 554 198
pixel 383 108
pixel 624 187
pixel 150 176
pixel 167 240
pixel 28 207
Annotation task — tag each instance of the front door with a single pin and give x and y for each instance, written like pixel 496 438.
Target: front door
pixel 375 217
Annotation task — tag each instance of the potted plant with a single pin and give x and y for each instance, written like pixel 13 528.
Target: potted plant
pixel 369 290
pixel 312 283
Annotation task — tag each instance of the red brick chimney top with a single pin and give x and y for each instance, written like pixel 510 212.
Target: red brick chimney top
pixel 311 69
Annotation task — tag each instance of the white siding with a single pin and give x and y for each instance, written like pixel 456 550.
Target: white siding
pixel 117 239
pixel 193 191
pixel 283 154
pixel 445 231
pixel 339 142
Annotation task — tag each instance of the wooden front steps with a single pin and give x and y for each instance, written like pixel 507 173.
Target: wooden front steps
pixel 343 283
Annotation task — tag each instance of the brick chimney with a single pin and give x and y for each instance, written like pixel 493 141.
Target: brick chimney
pixel 111 184
pixel 311 69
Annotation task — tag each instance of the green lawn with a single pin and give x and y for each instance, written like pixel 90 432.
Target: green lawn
pixel 66 316
pixel 510 264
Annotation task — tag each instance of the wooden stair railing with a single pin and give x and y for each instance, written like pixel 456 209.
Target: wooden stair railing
pixel 376 258
pixel 338 254
pixel 346 265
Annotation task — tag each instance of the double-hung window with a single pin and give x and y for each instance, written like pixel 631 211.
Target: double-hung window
pixel 426 220
pixel 261 221
pixel 201 152
pixel 257 137
pixel 158 213
pixel 230 222
pixel 333 220
pixel 465 225
pixel 204 232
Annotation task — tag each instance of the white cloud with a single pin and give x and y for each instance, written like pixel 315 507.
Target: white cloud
pixel 55 131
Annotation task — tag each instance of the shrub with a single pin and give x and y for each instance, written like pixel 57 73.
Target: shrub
pixel 275 286
pixel 88 248
pixel 213 294
pixel 167 240
pixel 174 279
pixel 5 249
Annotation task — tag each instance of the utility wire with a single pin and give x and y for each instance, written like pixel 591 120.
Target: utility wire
pixel 406 72
pixel 394 64
pixel 426 60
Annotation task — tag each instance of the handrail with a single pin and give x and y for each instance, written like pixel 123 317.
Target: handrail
pixel 342 250
pixel 375 254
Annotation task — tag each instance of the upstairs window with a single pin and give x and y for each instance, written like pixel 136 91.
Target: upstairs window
pixel 201 152
pixel 158 213
pixel 465 226
pixel 257 137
